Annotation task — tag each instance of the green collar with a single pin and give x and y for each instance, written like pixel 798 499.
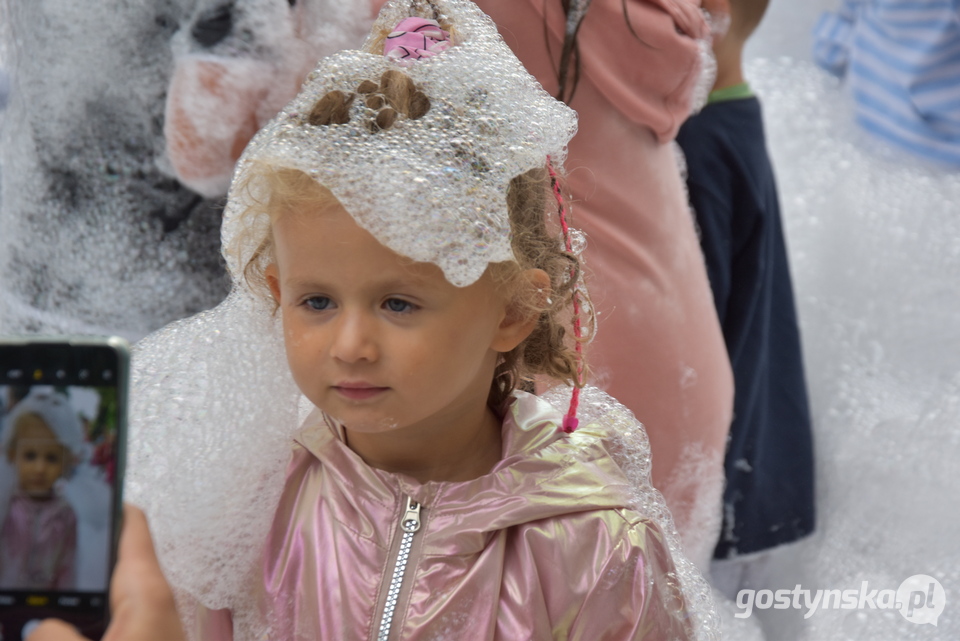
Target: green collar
pixel 734 92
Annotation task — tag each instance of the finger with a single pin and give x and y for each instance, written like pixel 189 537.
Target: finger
pixel 54 630
pixel 142 603
pixel 138 578
pixel 136 544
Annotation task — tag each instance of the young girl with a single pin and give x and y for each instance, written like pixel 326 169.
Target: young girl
pixel 392 221
pixel 38 539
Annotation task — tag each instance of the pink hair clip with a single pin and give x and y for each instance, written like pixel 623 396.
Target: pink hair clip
pixel 414 39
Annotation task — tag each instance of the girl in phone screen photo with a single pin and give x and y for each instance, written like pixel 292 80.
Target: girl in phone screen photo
pixel 41 437
pixel 349 446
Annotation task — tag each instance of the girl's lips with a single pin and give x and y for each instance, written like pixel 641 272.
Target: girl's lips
pixel 358 392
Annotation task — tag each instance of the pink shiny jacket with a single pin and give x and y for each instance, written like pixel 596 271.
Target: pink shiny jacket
pixel 38 544
pixel 542 547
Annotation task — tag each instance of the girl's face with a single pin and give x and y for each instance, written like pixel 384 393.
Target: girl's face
pixel 377 341
pixel 39 457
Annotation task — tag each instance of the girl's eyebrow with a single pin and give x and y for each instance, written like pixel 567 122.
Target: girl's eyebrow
pixel 411 280
pixel 305 283
pixel 387 283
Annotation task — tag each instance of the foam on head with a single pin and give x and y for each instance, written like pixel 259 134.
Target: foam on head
pixel 427 178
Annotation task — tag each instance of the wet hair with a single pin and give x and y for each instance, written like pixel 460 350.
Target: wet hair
pixel 568 66
pixel 549 351
pixel 393 96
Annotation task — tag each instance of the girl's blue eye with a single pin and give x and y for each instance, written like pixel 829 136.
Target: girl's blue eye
pixel 318 303
pixel 398 305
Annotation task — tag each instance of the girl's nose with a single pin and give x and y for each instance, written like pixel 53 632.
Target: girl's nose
pixel 355 338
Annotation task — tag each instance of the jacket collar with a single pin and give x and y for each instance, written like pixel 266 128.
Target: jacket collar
pixel 543 473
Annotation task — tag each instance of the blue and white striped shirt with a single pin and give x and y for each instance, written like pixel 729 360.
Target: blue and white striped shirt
pixel 902 59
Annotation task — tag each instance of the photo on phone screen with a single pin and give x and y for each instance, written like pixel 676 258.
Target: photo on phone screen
pixel 61 421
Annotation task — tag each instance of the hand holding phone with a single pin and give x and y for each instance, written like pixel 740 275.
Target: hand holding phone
pixel 62 436
pixel 141 600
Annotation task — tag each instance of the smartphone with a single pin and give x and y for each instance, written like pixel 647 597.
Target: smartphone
pixel 63 416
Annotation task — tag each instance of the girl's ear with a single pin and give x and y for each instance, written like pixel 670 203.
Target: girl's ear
pixel 520 320
pixel 272 276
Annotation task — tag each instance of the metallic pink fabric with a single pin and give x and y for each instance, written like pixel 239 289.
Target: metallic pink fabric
pixel 38 544
pixel 542 547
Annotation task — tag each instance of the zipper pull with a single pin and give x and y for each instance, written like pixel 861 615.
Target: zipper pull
pixel 411 518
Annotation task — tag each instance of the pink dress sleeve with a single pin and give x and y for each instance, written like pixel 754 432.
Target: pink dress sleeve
pixel 647 75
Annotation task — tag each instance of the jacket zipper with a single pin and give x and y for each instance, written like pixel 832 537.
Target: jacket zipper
pixel 409 523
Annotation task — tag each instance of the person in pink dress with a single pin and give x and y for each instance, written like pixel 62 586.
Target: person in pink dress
pixel 659 349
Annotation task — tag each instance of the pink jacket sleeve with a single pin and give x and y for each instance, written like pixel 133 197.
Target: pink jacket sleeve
pixel 636 596
pixel 649 77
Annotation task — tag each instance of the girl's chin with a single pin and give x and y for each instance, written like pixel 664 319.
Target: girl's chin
pixel 356 421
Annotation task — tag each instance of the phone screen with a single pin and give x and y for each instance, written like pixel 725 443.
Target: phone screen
pixel 62 422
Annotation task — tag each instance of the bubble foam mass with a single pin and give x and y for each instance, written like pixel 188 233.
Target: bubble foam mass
pixel 97 235
pixel 213 413
pixel 874 242
pixel 431 186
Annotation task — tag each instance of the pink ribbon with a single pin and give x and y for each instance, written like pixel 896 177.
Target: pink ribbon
pixel 414 39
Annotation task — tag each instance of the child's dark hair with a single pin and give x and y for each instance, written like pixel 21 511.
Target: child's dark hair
pixel 548 352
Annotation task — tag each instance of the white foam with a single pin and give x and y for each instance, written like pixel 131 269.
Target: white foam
pixel 874 241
